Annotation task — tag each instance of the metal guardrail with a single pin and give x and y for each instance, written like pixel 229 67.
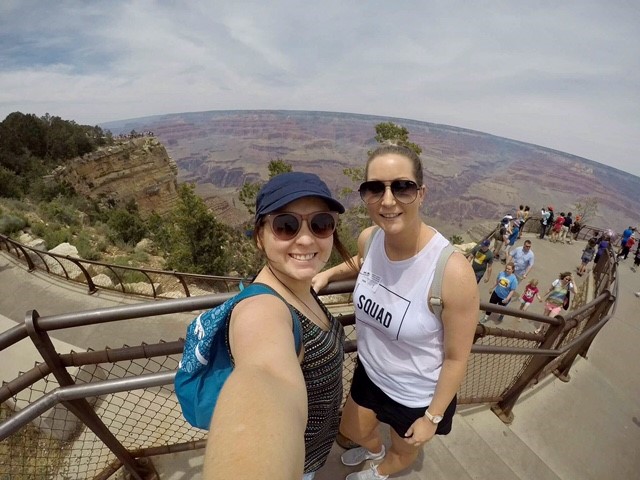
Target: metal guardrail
pixel 87 414
pixel 145 282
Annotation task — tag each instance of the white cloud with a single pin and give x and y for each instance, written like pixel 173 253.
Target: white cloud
pixel 563 75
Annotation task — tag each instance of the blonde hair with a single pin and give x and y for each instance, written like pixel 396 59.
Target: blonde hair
pixel 534 282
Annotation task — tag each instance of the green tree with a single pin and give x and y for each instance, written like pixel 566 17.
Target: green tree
pixel 9 184
pixel 21 133
pixel 249 190
pixel 198 240
pixel 389 131
pixel 127 226
pixel 456 239
pixel 248 194
pixel 355 219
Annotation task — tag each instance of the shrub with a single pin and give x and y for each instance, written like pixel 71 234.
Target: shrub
pixel 85 248
pixel 10 184
pixel 126 226
pixel 10 224
pixel 54 235
pixel 39 229
pixel 60 210
pixel 456 239
pixel 127 276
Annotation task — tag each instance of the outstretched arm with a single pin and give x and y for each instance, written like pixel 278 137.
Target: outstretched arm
pixel 343 271
pixel 257 430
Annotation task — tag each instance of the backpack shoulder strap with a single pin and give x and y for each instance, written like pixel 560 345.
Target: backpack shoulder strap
pixel 367 244
pixel 260 289
pixel 435 300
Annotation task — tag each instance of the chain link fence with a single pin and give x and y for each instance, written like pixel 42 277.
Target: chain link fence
pixel 56 444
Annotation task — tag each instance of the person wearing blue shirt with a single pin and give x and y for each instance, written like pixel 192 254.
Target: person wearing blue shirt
pixel 523 259
pixel 513 238
pixel 503 290
pixel 626 235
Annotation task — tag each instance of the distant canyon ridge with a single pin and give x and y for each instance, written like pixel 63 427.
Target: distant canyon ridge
pixel 471 176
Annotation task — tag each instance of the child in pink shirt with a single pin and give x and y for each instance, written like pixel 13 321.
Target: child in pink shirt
pixel 530 292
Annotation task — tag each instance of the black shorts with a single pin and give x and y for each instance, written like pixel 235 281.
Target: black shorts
pixel 366 394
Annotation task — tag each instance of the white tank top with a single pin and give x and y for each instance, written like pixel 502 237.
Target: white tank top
pixel 400 342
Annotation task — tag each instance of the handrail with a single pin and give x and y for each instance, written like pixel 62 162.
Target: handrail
pixel 81 264
pixel 75 392
pixel 94 389
pixel 537 355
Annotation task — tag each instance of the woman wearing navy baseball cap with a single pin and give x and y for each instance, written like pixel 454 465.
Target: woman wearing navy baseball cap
pixel 278 413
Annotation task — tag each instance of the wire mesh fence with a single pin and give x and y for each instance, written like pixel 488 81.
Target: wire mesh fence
pixel 145 421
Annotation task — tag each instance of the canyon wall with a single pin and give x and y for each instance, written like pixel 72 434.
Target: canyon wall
pixel 138 169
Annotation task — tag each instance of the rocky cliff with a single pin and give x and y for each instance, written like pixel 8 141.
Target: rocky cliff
pixel 135 169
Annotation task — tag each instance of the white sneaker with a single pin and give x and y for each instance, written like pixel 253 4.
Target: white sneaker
pixel 356 456
pixel 370 473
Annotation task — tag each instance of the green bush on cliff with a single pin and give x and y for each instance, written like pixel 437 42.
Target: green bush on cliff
pixel 126 226
pixel 10 224
pixel 54 235
pixel 61 211
pixel 85 247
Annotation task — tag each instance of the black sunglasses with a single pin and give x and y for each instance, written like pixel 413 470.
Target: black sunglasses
pixel 286 225
pixel 404 191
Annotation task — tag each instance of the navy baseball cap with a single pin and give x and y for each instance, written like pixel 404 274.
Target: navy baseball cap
pixel 288 187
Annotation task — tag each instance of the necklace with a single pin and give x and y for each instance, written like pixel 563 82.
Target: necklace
pixel 324 323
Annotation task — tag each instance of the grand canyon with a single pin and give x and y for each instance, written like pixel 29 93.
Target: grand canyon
pixel 472 177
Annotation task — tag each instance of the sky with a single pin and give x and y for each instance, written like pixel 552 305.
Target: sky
pixel 561 74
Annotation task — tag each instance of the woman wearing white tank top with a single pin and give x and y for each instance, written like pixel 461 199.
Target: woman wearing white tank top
pixel 401 343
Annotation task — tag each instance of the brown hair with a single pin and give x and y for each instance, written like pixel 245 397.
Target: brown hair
pixel 388 148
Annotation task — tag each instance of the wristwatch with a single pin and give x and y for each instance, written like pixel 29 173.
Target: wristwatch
pixel 435 419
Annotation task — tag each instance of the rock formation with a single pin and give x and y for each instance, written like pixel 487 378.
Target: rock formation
pixel 135 169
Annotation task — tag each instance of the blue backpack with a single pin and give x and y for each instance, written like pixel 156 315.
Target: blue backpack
pixel 206 362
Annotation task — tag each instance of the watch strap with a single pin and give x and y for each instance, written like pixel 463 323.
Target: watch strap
pixel 435 419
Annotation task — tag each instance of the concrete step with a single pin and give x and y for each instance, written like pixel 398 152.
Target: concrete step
pixel 464 454
pixel 483 426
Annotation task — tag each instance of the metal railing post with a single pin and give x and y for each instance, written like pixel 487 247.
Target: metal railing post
pixel 90 284
pixel 504 408
pixel 562 372
pixel 80 408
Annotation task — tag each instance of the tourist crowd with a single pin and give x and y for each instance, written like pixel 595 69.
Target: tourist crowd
pixel 519 260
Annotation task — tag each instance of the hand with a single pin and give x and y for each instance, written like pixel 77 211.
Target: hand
pixel 319 281
pixel 486 280
pixel 420 432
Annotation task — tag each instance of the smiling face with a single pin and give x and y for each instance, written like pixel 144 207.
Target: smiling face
pixel 305 254
pixel 391 215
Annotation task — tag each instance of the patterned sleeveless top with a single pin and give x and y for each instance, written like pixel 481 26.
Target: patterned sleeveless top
pixel 322 370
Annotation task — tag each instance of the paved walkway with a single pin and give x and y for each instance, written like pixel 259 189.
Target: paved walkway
pixel 586 429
